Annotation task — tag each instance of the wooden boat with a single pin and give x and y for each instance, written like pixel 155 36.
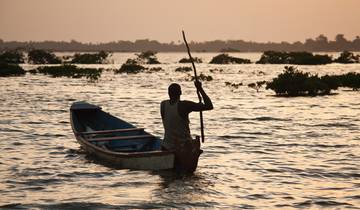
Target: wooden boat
pixel 115 141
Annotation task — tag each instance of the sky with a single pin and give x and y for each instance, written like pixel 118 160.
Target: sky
pixel 203 20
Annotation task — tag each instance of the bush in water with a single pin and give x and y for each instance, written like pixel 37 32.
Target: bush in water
pixel 187 60
pixel 293 82
pixel 12 56
pixel 131 66
pixel 147 57
pixel 183 69
pixel 43 57
pixel 347 57
pixel 69 71
pixel 299 58
pixel 226 59
pixel 8 70
pixel 87 58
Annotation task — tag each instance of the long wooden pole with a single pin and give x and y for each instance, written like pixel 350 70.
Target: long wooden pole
pixel 198 93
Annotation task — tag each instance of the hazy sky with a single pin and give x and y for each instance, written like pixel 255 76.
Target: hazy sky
pixel 112 20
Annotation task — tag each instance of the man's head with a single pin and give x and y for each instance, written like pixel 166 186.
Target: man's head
pixel 174 91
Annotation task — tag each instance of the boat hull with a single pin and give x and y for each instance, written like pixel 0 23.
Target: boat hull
pixel 155 160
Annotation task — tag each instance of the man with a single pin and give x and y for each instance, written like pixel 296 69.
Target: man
pixel 175 116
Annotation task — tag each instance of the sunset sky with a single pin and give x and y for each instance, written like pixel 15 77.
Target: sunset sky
pixel 163 20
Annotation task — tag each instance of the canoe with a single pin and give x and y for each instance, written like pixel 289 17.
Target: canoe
pixel 116 141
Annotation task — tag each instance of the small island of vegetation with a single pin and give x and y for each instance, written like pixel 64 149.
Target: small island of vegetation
pixel 67 70
pixel 226 59
pixel 131 66
pixel 9 69
pixel 299 58
pixel 187 60
pixel 293 82
pixel 43 57
pixel 12 56
pixel 90 58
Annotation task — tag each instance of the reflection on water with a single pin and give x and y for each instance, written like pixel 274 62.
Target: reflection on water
pixel 261 152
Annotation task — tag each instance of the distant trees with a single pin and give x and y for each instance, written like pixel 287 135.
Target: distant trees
pixel 319 44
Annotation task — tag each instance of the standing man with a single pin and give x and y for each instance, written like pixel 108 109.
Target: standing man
pixel 175 118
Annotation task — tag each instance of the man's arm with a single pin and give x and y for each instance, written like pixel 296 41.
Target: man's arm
pixel 207 101
pixel 189 106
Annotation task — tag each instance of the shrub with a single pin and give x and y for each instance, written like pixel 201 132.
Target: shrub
pixel 12 56
pixel 131 66
pixel 147 57
pixel 299 58
pixel 350 80
pixel 70 71
pixel 87 58
pixel 347 57
pixel 187 60
pixel 7 70
pixel 43 57
pixel 293 82
pixel 226 59
pixel 183 69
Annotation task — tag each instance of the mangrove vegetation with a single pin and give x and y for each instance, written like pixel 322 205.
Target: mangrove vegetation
pixel 43 57
pixel 10 69
pixel 90 58
pixel 227 59
pixel 67 70
pixel 188 60
pixel 293 82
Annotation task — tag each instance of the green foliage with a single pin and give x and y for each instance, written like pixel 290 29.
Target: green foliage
pixel 226 59
pixel 43 57
pixel 70 71
pixel 183 69
pixel 7 70
pixel 131 66
pixel 147 57
pixel 347 57
pixel 299 58
pixel 87 58
pixel 187 60
pixel 12 56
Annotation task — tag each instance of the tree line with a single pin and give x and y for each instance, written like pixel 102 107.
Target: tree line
pixel 319 44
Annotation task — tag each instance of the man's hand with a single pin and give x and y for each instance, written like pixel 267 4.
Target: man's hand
pixel 198 85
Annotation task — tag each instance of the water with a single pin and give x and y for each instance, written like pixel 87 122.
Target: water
pixel 261 152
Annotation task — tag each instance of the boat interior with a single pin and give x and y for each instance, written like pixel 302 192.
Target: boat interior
pixel 111 133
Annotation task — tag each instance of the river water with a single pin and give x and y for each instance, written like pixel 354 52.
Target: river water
pixel 261 151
